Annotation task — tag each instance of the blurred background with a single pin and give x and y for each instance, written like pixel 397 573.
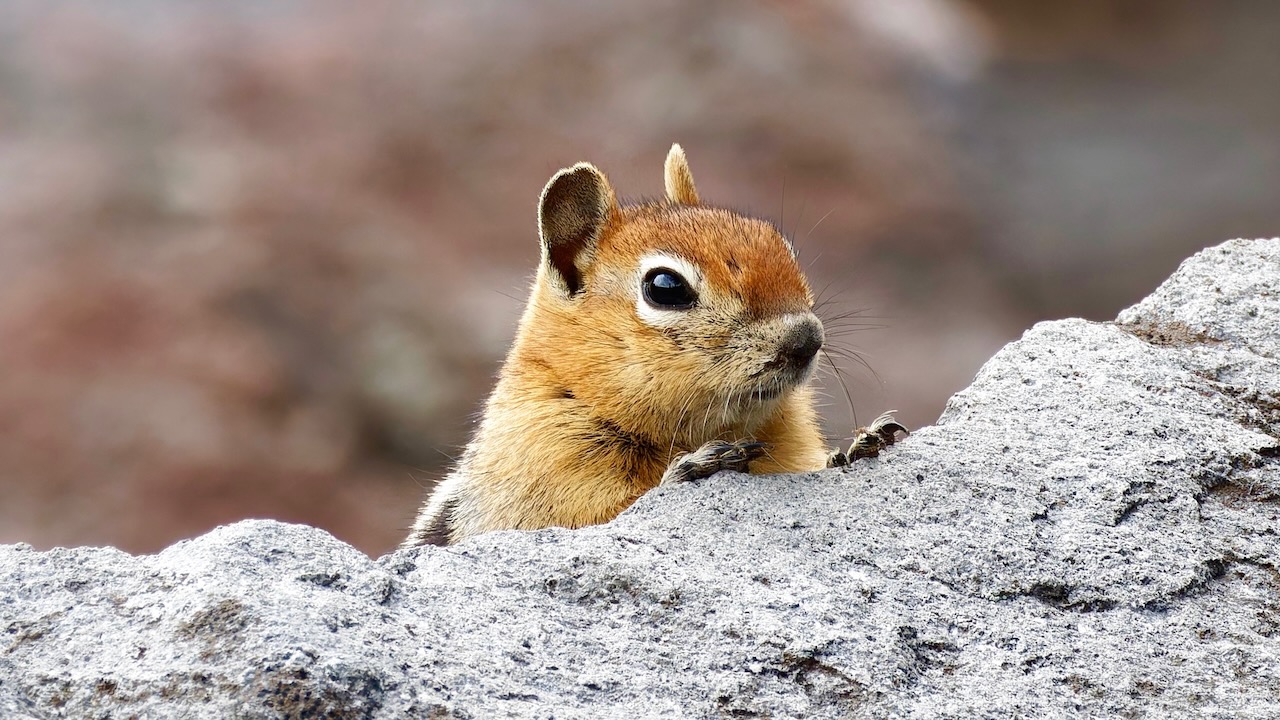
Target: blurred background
pixel 263 259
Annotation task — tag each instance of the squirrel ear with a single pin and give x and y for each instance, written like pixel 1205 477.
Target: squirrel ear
pixel 679 179
pixel 576 206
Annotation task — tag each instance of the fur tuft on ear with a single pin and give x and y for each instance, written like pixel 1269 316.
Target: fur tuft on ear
pixel 576 206
pixel 679 179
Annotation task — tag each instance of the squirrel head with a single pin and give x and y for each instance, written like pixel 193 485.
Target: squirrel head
pixel 669 319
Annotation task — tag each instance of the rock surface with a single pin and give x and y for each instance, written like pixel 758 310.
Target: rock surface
pixel 1089 530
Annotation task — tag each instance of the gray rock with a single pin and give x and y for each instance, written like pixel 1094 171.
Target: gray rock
pixel 1090 530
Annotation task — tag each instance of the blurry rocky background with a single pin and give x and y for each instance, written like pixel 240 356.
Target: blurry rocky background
pixel 263 259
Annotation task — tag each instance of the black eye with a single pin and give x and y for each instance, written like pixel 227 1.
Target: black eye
pixel 666 290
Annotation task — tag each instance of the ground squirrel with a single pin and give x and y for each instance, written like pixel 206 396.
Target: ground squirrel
pixel 662 342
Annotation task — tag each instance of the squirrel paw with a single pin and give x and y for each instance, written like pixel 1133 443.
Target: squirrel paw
pixel 870 440
pixel 710 459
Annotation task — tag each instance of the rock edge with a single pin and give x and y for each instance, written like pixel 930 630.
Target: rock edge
pixel 1089 530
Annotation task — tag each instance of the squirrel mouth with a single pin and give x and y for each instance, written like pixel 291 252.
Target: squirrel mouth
pixel 770 389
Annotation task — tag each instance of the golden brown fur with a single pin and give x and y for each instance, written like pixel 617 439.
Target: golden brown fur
pixel 601 391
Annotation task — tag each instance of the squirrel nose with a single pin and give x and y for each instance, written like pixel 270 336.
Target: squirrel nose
pixel 801 342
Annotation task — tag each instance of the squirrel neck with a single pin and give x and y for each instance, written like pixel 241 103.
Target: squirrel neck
pixel 531 382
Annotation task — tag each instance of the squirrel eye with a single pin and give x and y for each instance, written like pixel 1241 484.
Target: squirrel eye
pixel 666 290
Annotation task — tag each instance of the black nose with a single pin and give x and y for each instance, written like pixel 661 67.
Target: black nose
pixel 801 342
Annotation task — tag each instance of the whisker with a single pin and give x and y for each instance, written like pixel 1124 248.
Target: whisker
pixel 804 204
pixel 688 403
pixel 782 212
pixel 857 357
pixel 836 372
pixel 815 225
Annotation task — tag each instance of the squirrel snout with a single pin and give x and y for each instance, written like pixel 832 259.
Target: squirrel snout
pixel 802 340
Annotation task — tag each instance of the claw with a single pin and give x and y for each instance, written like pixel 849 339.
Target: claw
pixel 710 459
pixel 837 459
pixel 886 427
pixel 869 441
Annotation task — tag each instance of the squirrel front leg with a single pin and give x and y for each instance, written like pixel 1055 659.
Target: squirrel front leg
pixel 719 455
pixel 869 441
pixel 710 459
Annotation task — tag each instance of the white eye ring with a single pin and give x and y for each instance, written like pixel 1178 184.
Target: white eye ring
pixel 658 316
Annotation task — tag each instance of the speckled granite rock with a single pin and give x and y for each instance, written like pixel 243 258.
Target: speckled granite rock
pixel 1090 530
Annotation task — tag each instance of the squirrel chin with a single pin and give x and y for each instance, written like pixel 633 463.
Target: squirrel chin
pixel 775 385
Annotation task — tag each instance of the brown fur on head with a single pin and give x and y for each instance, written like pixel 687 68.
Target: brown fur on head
pixel 666 373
